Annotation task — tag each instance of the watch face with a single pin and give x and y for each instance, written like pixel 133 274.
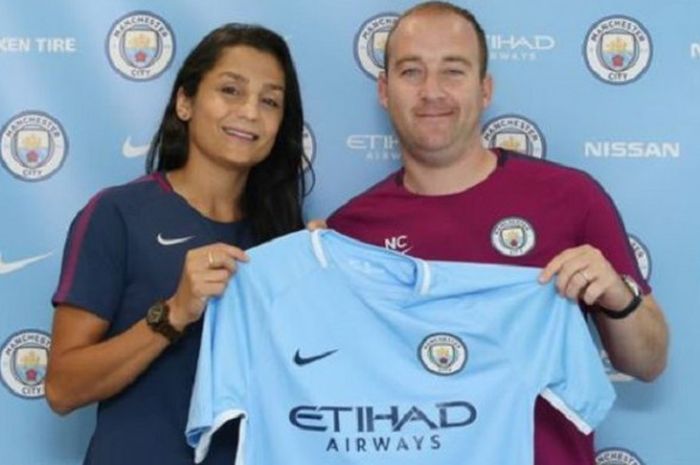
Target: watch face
pixel 155 314
pixel 632 284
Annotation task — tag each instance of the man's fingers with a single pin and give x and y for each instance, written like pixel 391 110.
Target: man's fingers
pixel 556 264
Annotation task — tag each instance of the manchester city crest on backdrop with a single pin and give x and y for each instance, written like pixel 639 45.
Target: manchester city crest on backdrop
pixel 617 456
pixel 514 132
pixel 33 145
pixel 370 43
pixel 642 255
pixel 617 49
pixel 309 145
pixel 23 363
pixel 140 46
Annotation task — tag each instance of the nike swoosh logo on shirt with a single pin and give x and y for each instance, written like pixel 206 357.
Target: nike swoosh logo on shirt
pixel 9 267
pixel 173 241
pixel 301 361
pixel 133 151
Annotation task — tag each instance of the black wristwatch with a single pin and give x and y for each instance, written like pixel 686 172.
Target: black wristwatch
pixel 158 319
pixel 631 307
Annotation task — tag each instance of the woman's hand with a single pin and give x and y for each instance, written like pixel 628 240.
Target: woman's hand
pixel 205 273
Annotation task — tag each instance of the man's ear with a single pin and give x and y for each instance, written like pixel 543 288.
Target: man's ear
pixel 486 91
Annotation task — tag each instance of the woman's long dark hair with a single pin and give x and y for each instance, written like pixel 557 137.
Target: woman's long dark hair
pixel 272 197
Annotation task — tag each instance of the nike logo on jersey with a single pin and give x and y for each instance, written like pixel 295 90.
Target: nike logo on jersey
pixel 172 241
pixel 301 361
pixel 9 267
pixel 133 151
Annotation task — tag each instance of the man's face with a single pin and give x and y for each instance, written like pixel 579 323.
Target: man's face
pixel 432 87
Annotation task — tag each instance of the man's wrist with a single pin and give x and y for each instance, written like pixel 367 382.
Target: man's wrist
pixel 634 304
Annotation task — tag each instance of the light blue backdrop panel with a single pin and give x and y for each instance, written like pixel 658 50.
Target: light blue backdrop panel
pixel 609 88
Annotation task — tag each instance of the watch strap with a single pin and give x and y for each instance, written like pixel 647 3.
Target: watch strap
pixel 162 325
pixel 631 307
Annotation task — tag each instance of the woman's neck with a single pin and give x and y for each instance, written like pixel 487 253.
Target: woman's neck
pixel 212 191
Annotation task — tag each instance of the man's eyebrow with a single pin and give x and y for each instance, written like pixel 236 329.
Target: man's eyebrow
pixel 407 59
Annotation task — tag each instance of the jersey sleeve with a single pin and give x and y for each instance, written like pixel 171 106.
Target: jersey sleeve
pixel 93 269
pixel 552 346
pixel 605 230
pixel 220 391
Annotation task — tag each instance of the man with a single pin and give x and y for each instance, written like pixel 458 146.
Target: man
pixel 456 200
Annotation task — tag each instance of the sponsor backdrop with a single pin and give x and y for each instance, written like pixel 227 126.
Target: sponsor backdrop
pixel 609 88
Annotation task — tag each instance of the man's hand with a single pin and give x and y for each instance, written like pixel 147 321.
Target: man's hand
pixel 584 273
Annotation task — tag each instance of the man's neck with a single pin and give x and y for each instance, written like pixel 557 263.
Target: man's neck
pixel 435 179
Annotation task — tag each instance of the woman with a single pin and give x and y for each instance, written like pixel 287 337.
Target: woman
pixel 141 260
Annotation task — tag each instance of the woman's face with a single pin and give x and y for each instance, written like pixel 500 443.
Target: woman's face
pixel 236 112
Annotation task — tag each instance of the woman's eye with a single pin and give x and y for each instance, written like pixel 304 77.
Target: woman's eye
pixel 231 90
pixel 272 103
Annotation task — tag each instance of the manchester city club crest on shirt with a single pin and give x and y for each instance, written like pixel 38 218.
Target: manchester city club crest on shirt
pixel 443 353
pixel 513 237
pixel 23 363
pixel 140 46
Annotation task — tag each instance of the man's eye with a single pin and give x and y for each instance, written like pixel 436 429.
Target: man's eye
pixel 410 72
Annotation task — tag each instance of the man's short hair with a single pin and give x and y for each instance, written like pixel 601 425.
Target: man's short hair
pixel 444 7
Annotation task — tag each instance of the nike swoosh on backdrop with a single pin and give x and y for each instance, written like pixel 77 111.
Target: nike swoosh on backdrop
pixel 9 267
pixel 173 241
pixel 133 151
pixel 301 361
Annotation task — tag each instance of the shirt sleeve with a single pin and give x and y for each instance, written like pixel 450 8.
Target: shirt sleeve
pixel 93 269
pixel 605 230
pixel 220 391
pixel 552 345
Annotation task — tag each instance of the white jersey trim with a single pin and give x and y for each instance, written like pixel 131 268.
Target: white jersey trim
pixel 570 415
pixel 318 248
pixel 202 448
pixel 425 278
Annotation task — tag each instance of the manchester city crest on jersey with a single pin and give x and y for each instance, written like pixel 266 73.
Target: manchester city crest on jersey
pixel 33 145
pixel 641 254
pixel 443 353
pixel 140 46
pixel 617 49
pixel 514 132
pixel 513 237
pixel 617 456
pixel 370 43
pixel 23 363
pixel 309 146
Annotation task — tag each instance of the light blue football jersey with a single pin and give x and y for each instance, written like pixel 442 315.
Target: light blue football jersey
pixel 337 352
